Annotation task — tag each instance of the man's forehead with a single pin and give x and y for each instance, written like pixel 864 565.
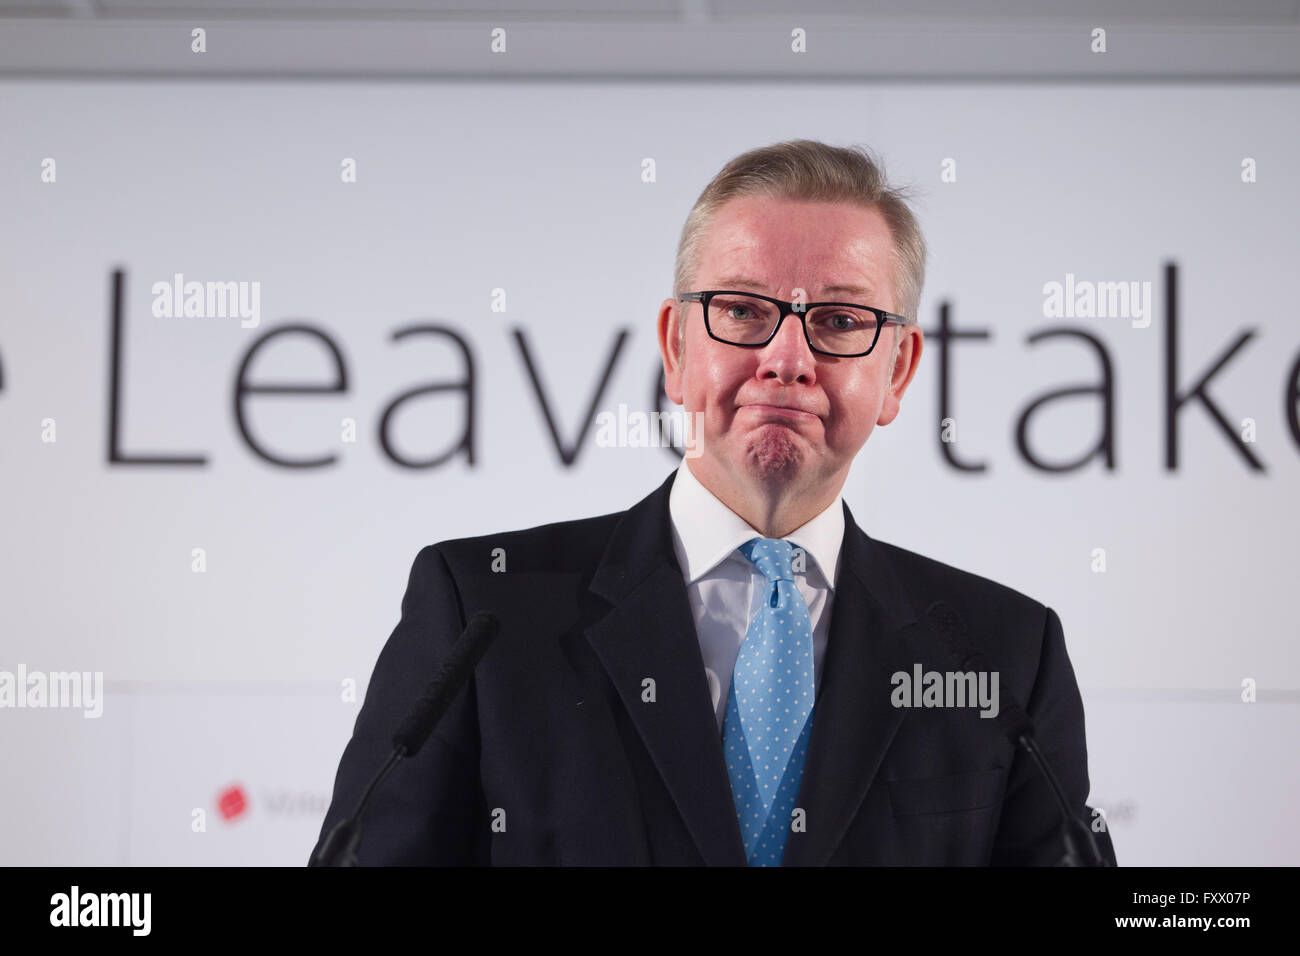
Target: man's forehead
pixel 833 252
pixel 747 283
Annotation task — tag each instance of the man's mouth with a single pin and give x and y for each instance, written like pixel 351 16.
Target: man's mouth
pixel 781 411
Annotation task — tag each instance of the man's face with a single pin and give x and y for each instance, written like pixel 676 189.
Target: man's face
pixel 783 415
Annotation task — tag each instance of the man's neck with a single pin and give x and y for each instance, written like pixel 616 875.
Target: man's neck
pixel 774 510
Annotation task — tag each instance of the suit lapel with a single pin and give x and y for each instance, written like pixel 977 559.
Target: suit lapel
pixel 649 633
pixel 853 721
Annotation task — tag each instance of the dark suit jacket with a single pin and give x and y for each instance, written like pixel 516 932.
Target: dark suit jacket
pixel 553 755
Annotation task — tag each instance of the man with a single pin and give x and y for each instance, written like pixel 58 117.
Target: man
pixel 713 676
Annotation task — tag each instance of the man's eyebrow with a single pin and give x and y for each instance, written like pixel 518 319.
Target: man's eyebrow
pixel 744 282
pixel 858 290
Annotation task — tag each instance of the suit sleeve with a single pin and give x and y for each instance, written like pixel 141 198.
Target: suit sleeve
pixel 1029 828
pixel 430 811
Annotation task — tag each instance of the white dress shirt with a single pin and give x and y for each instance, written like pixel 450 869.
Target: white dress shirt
pixel 724 587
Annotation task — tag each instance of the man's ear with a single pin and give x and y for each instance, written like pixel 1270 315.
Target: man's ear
pixel 902 371
pixel 670 333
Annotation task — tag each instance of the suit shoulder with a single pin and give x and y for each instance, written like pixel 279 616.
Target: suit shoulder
pixel 933 580
pixel 1009 625
pixel 557 546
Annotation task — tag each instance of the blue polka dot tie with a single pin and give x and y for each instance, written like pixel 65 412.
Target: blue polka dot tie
pixel 769 707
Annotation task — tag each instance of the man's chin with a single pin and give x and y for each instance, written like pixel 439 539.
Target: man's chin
pixel 774 454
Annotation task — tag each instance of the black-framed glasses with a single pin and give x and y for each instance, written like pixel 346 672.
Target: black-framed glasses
pixel 750 320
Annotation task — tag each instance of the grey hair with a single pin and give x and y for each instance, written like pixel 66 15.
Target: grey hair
pixel 808 170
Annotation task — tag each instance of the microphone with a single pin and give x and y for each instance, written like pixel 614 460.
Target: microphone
pixel 1080 847
pixel 340 846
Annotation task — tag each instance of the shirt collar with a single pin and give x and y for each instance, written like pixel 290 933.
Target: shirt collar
pixel 706 531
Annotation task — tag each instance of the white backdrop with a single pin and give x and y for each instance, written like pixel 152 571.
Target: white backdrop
pixel 230 680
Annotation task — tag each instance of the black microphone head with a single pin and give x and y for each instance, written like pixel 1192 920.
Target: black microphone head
pixel 452 675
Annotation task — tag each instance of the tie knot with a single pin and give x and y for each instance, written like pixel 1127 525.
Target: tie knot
pixel 772 557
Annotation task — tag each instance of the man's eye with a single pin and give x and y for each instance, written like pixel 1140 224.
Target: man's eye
pixel 841 322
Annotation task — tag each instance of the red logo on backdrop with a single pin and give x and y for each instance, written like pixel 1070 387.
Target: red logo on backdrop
pixel 232 802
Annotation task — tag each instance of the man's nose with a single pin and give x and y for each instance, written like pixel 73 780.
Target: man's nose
pixel 787 357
